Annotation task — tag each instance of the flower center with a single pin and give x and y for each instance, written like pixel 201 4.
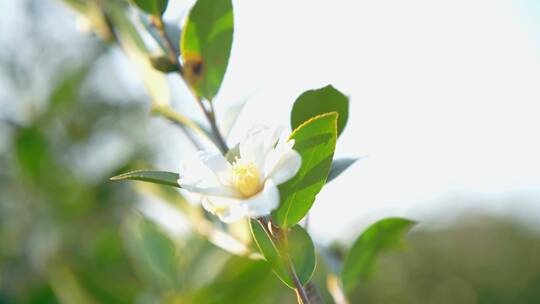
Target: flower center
pixel 246 178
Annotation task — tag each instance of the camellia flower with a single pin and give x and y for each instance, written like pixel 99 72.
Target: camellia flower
pixel 248 185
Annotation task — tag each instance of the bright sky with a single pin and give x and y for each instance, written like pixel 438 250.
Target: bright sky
pixel 444 95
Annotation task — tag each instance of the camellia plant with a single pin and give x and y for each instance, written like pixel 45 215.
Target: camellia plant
pixel 271 178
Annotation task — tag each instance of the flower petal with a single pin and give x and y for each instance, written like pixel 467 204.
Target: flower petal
pixel 222 191
pixel 194 171
pixel 282 163
pixel 217 163
pixel 231 210
pixel 263 202
pixel 228 210
pixel 192 197
pixel 258 142
pixel 196 176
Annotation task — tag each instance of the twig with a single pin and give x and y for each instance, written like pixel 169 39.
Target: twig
pixel 200 225
pixel 313 293
pixel 157 22
pixel 211 116
pixel 168 112
pixel 277 237
pixel 182 122
pixel 299 288
pixel 301 292
pixel 209 113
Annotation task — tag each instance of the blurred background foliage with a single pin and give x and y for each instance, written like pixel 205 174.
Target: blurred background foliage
pixel 478 259
pixel 68 235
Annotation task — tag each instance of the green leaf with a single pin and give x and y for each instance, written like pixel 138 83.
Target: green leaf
pixel 270 251
pixel 152 7
pixel 316 102
pixel 154 253
pixel 229 286
pixel 156 177
pixel 338 166
pixel 300 250
pixel 79 5
pixel 315 140
pixel 384 235
pixel 206 45
pixel 67 90
pixel 32 151
pixel 163 64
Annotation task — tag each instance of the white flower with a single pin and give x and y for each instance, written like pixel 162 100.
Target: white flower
pixel 248 186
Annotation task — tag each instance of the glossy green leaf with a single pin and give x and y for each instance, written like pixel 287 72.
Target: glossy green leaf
pixel 269 251
pixel 206 45
pixel 315 140
pixel 338 166
pixel 156 177
pixel 300 250
pixel 384 235
pixel 152 7
pixel 316 102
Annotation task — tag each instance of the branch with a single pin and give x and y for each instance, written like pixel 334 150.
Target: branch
pixel 275 237
pixel 211 117
pixel 158 24
pixel 209 113
pixel 182 121
pixel 299 288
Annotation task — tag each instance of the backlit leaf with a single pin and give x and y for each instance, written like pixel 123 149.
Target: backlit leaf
pixel 206 45
pixel 315 140
pixel 382 236
pixel 163 64
pixel 270 252
pixel 152 7
pixel 300 250
pixel 316 102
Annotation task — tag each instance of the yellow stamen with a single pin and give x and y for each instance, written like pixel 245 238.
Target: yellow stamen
pixel 246 178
